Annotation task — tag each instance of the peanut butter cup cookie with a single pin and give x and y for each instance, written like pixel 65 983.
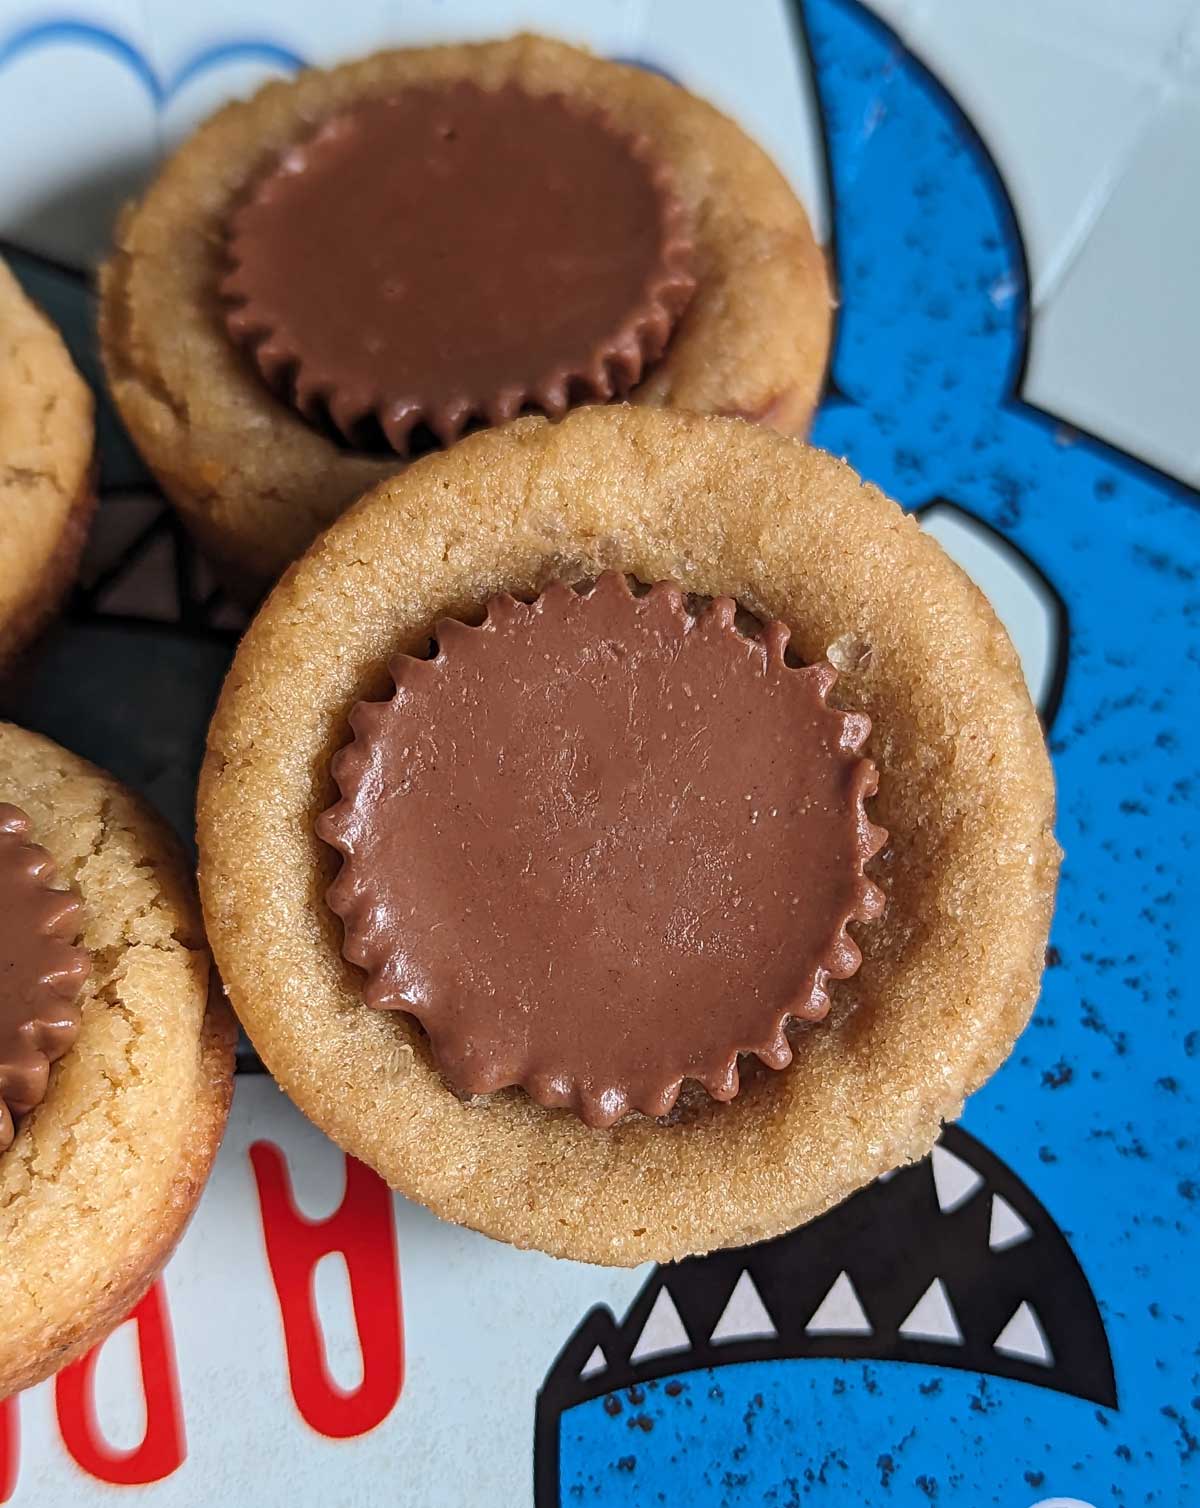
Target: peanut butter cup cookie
pixel 46 493
pixel 542 834
pixel 486 230
pixel 115 1062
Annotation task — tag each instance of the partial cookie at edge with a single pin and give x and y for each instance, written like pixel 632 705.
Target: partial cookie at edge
pixel 135 1111
pixel 47 483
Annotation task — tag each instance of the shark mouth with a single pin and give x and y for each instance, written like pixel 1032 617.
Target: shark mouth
pixel 950 1262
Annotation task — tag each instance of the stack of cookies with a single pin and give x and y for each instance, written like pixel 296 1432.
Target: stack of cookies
pixel 621 826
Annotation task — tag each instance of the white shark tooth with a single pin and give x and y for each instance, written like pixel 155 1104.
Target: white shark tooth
pixel 663 1331
pixel 840 1312
pixel 1024 1338
pixel 596 1362
pixel 933 1317
pixel 954 1180
pixel 745 1316
pixel 1007 1228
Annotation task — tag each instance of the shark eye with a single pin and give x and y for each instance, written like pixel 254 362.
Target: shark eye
pixel 1022 596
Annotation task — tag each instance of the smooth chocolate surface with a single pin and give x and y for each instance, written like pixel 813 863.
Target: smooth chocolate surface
pixel 41 969
pixel 450 254
pixel 599 845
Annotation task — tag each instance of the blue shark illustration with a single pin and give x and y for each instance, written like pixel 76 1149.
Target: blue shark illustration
pixel 941 1338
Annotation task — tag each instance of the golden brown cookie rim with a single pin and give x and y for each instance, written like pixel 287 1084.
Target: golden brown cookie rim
pixel 727 510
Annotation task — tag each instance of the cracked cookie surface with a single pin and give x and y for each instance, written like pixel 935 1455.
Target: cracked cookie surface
pixel 101 1178
pixel 46 442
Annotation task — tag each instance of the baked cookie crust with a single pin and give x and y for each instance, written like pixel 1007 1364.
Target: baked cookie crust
pixel 101 1178
pixel 949 975
pixel 46 478
pixel 253 480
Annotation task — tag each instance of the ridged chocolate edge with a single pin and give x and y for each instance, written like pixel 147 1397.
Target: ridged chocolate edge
pixel 616 365
pixel 348 900
pixel 43 1042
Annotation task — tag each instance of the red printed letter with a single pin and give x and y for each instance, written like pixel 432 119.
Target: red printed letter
pixel 361 1229
pixel 163 1446
pixel 10 1447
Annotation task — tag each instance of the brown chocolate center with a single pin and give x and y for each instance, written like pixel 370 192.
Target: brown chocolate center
pixel 449 254
pixel 601 844
pixel 41 971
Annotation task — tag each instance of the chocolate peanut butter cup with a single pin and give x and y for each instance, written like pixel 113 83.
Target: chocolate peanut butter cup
pixel 606 843
pixel 602 843
pixel 450 255
pixel 41 969
pixel 470 229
